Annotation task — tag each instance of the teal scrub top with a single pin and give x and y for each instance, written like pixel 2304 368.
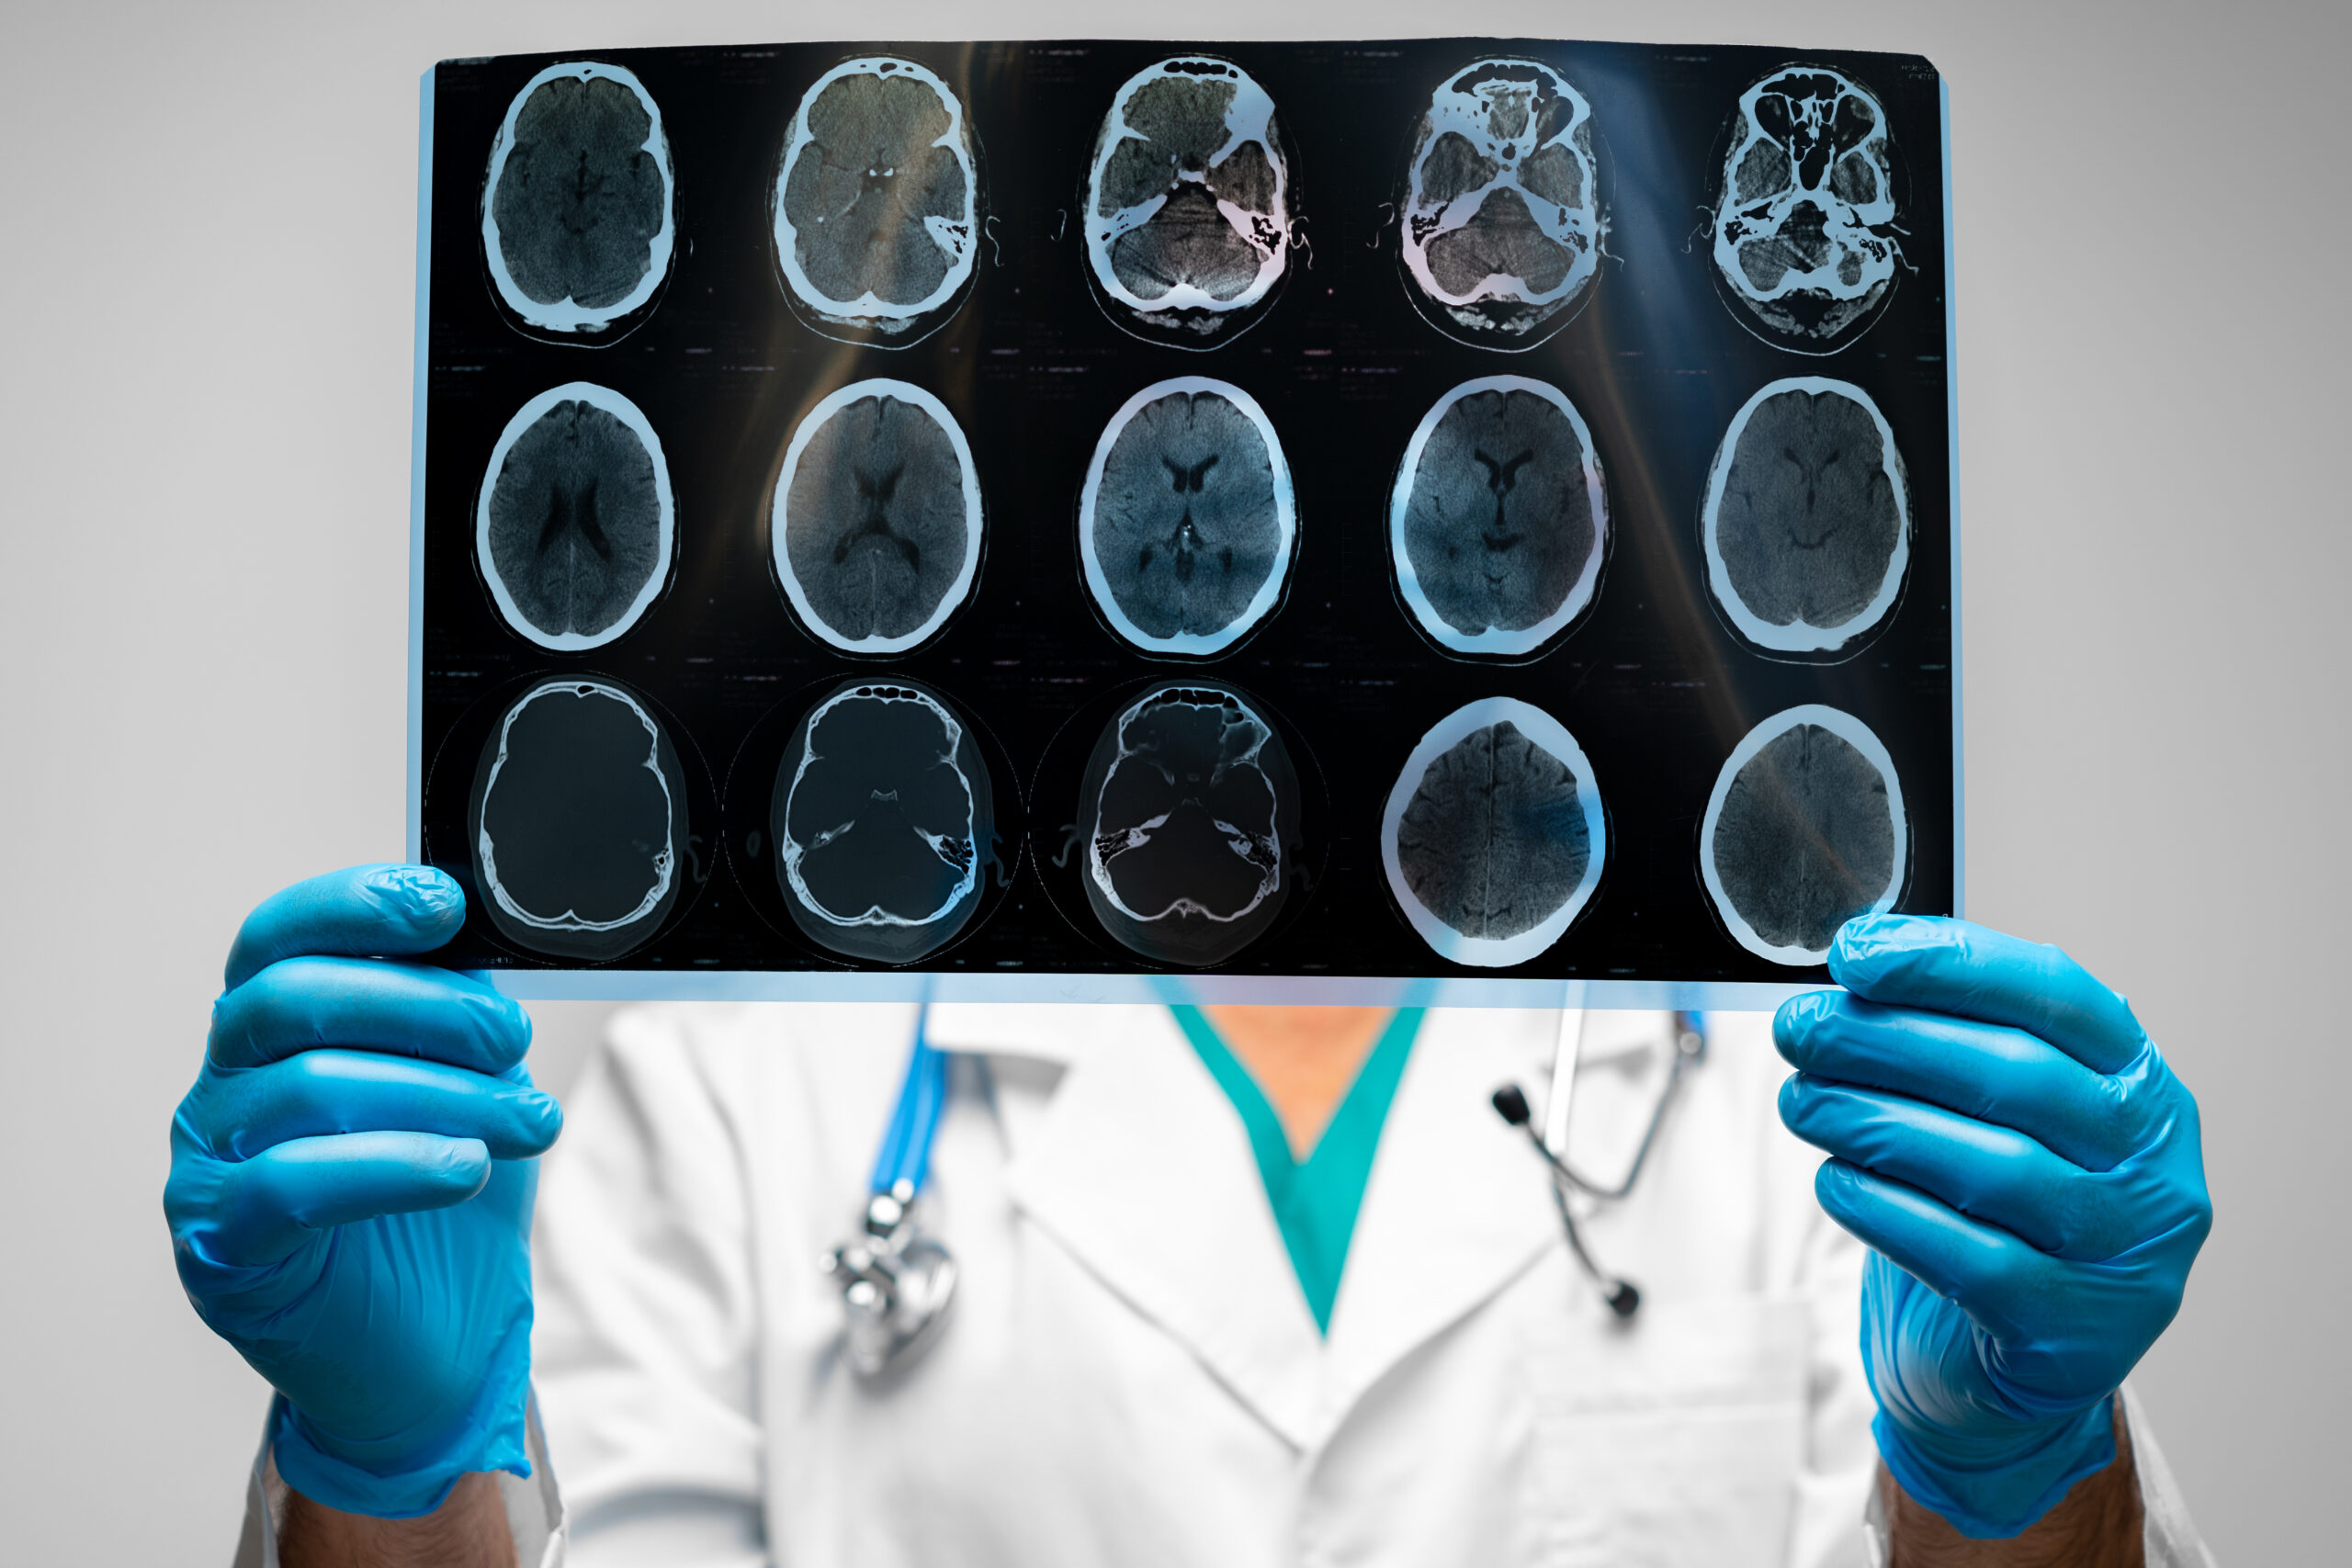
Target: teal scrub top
pixel 1316 1202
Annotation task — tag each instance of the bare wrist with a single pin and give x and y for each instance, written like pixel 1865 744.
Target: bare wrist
pixel 2096 1524
pixel 468 1530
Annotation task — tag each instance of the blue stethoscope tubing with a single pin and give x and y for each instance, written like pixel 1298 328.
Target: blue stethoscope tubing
pixel 904 1157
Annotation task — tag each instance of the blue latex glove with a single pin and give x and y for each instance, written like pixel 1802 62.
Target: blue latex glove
pixel 350 1194
pixel 2025 1169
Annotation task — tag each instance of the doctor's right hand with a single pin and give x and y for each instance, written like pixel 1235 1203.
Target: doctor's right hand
pixel 351 1188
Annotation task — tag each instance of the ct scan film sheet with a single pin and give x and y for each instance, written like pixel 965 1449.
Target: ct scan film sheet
pixel 1469 519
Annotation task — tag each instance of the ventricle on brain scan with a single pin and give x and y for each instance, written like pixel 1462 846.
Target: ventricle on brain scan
pixel 578 816
pixel 1498 519
pixel 1807 518
pixel 1805 829
pixel 876 529
pixel 1501 224
pixel 1188 203
pixel 884 822
pixel 878 203
pixel 1805 223
pixel 1187 524
pixel 578 209
pixel 1190 806
pixel 1494 837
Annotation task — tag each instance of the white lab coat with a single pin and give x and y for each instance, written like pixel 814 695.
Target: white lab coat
pixel 1130 1376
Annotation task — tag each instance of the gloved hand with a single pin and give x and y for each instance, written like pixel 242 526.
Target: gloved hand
pixel 350 1193
pixel 2011 1145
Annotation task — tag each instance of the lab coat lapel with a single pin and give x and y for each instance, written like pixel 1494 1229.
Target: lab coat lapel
pixel 1142 1170
pixel 1457 1206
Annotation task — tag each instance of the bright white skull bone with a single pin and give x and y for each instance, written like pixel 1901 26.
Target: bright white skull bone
pixel 1804 233
pixel 1501 227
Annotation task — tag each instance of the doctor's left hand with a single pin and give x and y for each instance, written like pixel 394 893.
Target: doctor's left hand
pixel 2027 1170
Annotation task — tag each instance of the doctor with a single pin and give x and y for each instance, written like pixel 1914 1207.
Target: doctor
pixel 1240 1286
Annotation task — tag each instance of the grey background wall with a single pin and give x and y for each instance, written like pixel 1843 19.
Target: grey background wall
pixel 204 444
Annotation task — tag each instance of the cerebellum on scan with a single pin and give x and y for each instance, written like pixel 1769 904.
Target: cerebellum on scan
pixel 1501 222
pixel 1498 518
pixel 1804 830
pixel 1494 837
pixel 878 203
pixel 1806 222
pixel 1189 805
pixel 875 529
pixel 1807 518
pixel 578 214
pixel 579 809
pixel 1188 203
pixel 1187 524
pixel 575 526
pixel 884 822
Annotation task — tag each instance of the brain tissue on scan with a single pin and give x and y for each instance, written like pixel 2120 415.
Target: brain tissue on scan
pixel 1189 801
pixel 1807 522
pixel 578 815
pixel 577 218
pixel 1499 517
pixel 883 821
pixel 1501 225
pixel 575 526
pixel 876 530
pixel 1186 526
pixel 876 212
pixel 1804 832
pixel 1188 206
pixel 1493 839
pixel 1805 229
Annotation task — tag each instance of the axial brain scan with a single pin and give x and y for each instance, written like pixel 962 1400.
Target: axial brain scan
pixel 1191 806
pixel 1501 222
pixel 884 822
pixel 1186 526
pixel 1493 839
pixel 575 526
pixel 576 219
pixel 1807 522
pixel 1804 233
pixel 1188 210
pixel 1804 830
pixel 876 526
pixel 1500 519
pixel 878 202
pixel 579 811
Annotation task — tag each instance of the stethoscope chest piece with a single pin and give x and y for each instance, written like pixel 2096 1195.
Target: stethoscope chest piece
pixel 897 1284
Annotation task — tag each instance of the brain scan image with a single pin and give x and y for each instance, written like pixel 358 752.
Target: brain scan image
pixel 1807 519
pixel 577 220
pixel 575 526
pixel 1498 520
pixel 878 203
pixel 876 530
pixel 1502 221
pixel 1188 203
pixel 579 812
pixel 1187 525
pixel 1804 830
pixel 1805 227
pixel 1493 837
pixel 1189 805
pixel 883 821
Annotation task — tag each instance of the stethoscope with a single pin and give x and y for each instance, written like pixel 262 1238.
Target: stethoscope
pixel 898 1284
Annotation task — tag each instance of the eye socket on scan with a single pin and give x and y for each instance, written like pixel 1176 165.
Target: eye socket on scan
pixel 878 203
pixel 1806 523
pixel 1498 518
pixel 1188 203
pixel 578 209
pixel 1805 236
pixel 1502 223
pixel 578 813
pixel 1805 829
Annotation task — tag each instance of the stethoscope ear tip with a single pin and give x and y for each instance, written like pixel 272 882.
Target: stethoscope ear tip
pixel 1623 1298
pixel 1510 1104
